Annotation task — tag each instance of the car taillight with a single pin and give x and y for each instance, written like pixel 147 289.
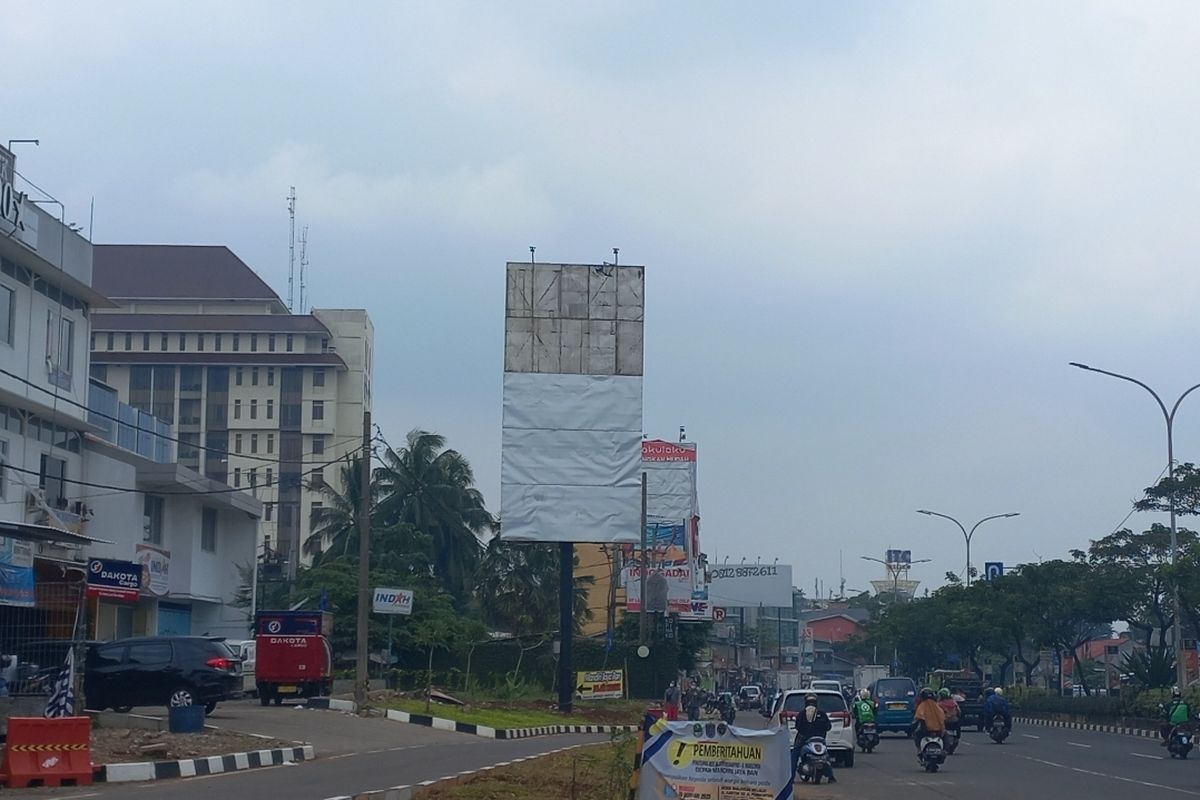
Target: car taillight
pixel 220 663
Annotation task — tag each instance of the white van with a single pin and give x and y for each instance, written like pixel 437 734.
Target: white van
pixel 246 652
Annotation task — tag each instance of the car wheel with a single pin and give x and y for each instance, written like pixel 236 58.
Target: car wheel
pixel 278 700
pixel 264 699
pixel 122 709
pixel 209 708
pixel 182 696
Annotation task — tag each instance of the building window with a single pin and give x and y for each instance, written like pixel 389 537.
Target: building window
pixel 319 376
pixel 208 530
pixel 111 344
pixel 237 477
pixel 52 481
pixel 191 379
pixel 237 409
pixel 152 519
pixel 253 409
pixel 182 342
pixel 318 410
pixel 217 342
pixel 270 376
pixel 270 409
pixel 239 375
pixel 317 480
pixel 289 343
pixel 254 376
pixel 60 349
pixel 8 307
pixel 254 343
pixel 237 443
pixel 315 513
pixel 146 342
pixel 270 477
pixel 324 344
pixel 128 341
pixel 268 509
pixel 162 345
pixel 3 471
pixel 253 478
pixel 271 343
pixel 200 342
pixel 318 446
pixel 270 442
pixel 254 443
pixel 237 342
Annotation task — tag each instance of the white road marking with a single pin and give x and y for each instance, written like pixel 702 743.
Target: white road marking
pixel 1146 755
pixel 1077 744
pixel 1030 736
pixel 1121 778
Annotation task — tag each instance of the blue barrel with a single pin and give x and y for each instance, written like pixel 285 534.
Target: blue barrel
pixel 185 719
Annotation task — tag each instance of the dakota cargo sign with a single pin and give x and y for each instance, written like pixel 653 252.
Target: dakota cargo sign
pixel 600 685
pixel 114 580
pixel 749 585
pixel 392 601
pixel 713 761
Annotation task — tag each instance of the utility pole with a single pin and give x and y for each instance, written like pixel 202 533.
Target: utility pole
pixel 566 625
pixel 361 676
pixel 642 619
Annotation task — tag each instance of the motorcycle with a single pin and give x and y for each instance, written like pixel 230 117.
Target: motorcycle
pixel 868 736
pixel 1180 742
pixel 932 754
pixel 814 760
pixel 999 730
pixel 953 735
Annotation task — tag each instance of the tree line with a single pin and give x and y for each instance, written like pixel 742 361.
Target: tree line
pixel 1058 605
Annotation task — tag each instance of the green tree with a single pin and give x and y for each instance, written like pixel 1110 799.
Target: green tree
pixel 1184 487
pixel 517 588
pixel 432 488
pixel 334 531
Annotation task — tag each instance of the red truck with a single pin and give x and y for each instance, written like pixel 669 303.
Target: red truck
pixel 294 655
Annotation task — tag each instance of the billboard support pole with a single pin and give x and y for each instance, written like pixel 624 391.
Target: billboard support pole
pixel 644 567
pixel 566 624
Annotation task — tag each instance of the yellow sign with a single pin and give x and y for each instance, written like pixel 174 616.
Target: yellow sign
pixel 685 752
pixel 600 685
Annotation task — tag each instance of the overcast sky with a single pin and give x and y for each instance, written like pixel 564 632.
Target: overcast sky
pixel 874 233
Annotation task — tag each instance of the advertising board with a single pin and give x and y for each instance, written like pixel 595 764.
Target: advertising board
pixel 392 601
pixel 748 585
pixel 110 579
pixel 606 684
pixel 713 761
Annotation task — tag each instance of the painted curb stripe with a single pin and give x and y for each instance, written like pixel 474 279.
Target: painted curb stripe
pixel 210 765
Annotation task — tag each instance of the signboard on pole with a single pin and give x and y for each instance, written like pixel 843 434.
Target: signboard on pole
pixel 993 570
pixel 156 569
pixel 712 761
pixel 750 585
pixel 678 579
pixel 110 579
pixel 392 601
pixel 600 685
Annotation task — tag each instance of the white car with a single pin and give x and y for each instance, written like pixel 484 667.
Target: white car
pixel 246 652
pixel 840 739
pixel 832 686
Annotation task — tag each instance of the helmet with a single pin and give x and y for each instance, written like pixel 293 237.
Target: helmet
pixel 927 694
pixel 944 693
pixel 998 692
pixel 1175 693
pixel 810 699
pixel 865 694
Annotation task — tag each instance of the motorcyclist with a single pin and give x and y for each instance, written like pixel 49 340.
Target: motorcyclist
pixel 864 709
pixel 1174 715
pixel 810 722
pixel 693 700
pixel 950 708
pixel 997 705
pixel 928 719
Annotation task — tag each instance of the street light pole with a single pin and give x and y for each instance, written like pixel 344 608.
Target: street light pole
pixel 894 570
pixel 1169 417
pixel 968 535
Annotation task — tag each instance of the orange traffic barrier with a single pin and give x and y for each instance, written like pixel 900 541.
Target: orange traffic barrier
pixel 47 752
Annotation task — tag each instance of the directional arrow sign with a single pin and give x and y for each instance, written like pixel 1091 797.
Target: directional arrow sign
pixel 600 684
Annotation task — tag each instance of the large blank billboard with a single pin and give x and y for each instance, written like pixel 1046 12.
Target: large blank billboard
pixel 572 423
pixel 748 585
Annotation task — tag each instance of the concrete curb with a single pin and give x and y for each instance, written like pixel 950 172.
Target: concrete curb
pixel 1087 726
pixel 406 792
pixel 472 729
pixel 193 767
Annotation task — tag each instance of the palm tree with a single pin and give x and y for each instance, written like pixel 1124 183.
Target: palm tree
pixel 517 588
pixel 432 488
pixel 334 529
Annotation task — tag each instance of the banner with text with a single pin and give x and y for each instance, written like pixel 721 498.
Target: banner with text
pixel 16 573
pixel 749 585
pixel 608 684
pixel 110 579
pixel 712 761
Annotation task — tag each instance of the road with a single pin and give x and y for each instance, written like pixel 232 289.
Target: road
pixel 356 755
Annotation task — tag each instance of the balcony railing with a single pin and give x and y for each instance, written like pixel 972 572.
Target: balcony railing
pixel 127 427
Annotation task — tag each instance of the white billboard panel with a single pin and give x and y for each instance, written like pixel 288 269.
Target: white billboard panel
pixel 572 422
pixel 670 479
pixel 747 585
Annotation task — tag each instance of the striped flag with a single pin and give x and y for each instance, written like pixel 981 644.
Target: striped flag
pixel 62 697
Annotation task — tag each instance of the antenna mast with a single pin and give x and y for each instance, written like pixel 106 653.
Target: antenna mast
pixel 292 248
pixel 303 263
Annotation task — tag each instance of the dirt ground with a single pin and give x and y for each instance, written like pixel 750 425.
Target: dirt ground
pixel 118 745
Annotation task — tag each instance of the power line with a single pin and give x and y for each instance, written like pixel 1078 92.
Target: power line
pixel 165 437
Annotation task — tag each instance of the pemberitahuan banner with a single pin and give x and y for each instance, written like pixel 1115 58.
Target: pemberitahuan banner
pixel 714 761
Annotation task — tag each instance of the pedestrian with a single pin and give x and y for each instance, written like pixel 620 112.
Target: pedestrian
pixel 671 702
pixel 693 700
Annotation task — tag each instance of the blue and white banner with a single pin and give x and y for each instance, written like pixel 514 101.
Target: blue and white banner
pixel 16 573
pixel 62 696
pixel 712 761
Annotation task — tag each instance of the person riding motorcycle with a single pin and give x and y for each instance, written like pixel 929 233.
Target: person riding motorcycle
pixel 863 708
pixel 810 722
pixel 997 705
pixel 1178 713
pixel 928 719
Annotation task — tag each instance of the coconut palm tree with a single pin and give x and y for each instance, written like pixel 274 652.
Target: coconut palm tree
pixel 517 588
pixel 334 530
pixel 432 488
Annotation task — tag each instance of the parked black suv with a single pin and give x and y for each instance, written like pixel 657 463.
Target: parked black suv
pixel 161 670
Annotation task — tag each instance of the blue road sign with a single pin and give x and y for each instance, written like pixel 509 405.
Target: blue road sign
pixel 993 570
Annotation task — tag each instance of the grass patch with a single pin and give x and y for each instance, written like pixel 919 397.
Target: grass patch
pixel 527 713
pixel 595 772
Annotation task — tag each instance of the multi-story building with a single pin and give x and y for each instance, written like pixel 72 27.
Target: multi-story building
pixel 263 399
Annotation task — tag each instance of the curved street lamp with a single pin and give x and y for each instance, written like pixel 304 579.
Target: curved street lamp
pixel 968 535
pixel 1169 417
